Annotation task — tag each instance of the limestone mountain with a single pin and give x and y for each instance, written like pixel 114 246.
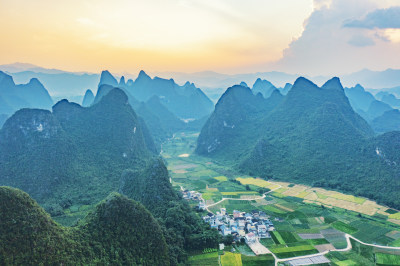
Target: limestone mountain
pixel 376 109
pixel 368 106
pixel 160 121
pixel 118 231
pixel 107 78
pixel 391 100
pixel 311 136
pixel 122 82
pixel 243 84
pixel 286 88
pixel 73 157
pixel 238 110
pixel 14 97
pixel 264 87
pixel 185 101
pixel 88 99
pixel 44 152
pixel 388 121
pixel 359 98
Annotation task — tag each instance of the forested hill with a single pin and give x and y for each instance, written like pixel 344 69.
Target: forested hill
pixel 119 231
pixel 238 110
pixel 73 157
pixel 311 136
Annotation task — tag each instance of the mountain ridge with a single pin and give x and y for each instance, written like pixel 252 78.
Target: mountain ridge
pixel 311 136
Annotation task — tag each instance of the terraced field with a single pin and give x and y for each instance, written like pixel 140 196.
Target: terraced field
pixel 297 211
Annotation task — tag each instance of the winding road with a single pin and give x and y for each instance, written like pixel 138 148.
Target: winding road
pixel 223 199
pixel 348 248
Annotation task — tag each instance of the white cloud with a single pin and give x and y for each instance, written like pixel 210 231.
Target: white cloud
pixel 326 47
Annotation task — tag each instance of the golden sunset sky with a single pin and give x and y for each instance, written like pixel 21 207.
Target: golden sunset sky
pixel 230 36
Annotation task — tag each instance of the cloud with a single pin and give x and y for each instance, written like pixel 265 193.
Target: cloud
pixel 388 18
pixel 361 41
pixel 319 4
pixel 326 47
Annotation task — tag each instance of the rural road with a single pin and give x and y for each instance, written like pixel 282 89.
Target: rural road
pixel 348 248
pixel 223 199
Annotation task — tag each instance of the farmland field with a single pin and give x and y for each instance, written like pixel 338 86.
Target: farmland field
pixel 264 260
pixel 387 259
pixel 231 259
pixel 209 259
pixel 307 219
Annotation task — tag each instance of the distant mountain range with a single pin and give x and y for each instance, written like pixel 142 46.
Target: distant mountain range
pixel 66 84
pixel 187 101
pixel 58 82
pixel 14 97
pixel 312 135
pixel 380 111
pixel 208 79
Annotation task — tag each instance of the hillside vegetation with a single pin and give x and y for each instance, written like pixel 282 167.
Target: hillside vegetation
pixel 118 231
pixel 73 157
pixel 311 136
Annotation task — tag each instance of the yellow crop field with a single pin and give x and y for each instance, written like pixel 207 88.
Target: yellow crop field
pixel 302 194
pixel 395 216
pixel 280 190
pixel 231 259
pixel 348 198
pixel 221 178
pixel 257 182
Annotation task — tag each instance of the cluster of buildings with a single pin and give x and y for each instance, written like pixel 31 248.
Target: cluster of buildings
pixel 196 196
pixel 250 226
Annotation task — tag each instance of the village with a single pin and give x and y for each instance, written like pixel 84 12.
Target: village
pixel 241 225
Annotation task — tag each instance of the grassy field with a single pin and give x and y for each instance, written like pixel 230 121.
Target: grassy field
pixel 294 209
pixel 387 259
pixel 209 259
pixel 395 216
pixel 276 236
pixel 344 227
pixel 264 260
pixel 221 178
pixel 231 259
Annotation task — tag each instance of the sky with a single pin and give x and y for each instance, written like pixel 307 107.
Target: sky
pixel 310 37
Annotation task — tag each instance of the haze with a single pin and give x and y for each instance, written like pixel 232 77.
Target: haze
pixel 297 36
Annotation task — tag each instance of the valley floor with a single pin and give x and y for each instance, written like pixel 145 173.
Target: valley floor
pixel 310 222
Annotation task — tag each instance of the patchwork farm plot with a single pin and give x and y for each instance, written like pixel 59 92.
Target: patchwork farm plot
pixel 307 220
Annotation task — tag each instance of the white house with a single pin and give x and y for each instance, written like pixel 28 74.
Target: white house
pixel 250 238
pixel 262 231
